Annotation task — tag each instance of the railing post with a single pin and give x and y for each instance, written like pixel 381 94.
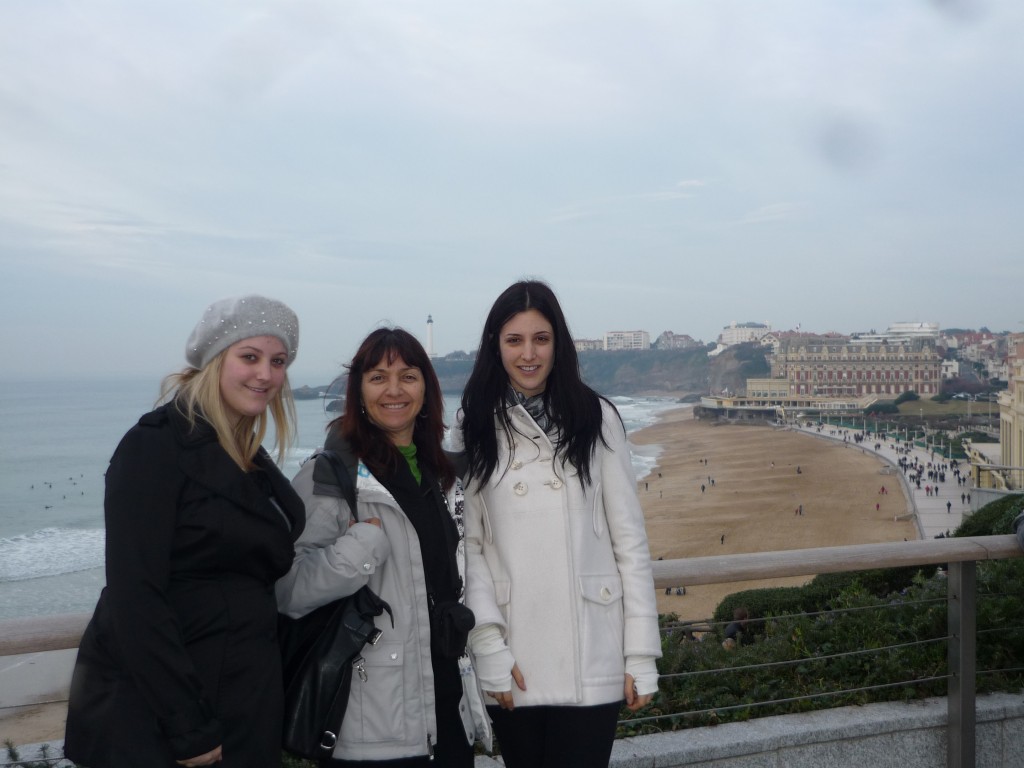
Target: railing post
pixel 962 625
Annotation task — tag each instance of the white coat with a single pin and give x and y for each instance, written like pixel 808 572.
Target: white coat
pixel 564 570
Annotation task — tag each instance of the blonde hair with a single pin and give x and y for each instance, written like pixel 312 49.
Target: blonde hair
pixel 196 394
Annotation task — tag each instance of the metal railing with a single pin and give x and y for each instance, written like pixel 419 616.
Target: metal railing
pixel 961 555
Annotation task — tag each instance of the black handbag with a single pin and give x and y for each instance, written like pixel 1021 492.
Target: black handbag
pixel 319 652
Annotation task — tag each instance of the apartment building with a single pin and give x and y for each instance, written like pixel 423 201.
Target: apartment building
pixel 741 333
pixel 616 340
pixel 588 345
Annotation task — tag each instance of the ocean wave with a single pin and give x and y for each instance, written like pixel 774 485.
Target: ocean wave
pixel 50 552
pixel 638 413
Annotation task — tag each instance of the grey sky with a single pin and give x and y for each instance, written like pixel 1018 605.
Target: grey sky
pixel 664 165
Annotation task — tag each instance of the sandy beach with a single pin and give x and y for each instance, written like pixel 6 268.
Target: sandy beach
pixel 752 495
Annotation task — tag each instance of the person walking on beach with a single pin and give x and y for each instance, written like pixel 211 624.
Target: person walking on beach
pixel 178 665
pixel 558 566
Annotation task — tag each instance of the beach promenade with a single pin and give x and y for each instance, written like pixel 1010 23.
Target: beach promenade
pixel 939 503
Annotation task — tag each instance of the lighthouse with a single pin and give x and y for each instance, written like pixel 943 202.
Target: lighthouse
pixel 430 336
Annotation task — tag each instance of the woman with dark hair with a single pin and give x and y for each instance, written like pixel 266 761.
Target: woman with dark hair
pixel 404 539
pixel 178 665
pixel 558 567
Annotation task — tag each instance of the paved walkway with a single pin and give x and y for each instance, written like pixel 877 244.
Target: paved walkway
pixel 933 515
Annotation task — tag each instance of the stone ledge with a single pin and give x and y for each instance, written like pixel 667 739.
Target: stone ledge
pixel 910 735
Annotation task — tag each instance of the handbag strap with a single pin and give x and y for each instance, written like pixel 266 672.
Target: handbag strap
pixel 344 475
pixel 335 713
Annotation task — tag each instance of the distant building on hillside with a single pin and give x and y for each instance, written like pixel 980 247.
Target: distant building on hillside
pixel 833 366
pixel 903 332
pixel 669 340
pixel 740 333
pixel 617 340
pixel 913 330
pixel 587 345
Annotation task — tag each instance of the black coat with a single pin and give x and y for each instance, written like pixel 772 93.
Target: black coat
pixel 181 654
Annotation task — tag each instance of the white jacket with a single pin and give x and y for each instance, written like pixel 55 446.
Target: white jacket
pixel 392 713
pixel 563 570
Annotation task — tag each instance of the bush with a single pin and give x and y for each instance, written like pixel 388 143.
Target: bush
pixel 907 396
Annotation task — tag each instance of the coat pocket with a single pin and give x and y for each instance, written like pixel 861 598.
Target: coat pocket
pixel 375 705
pixel 602 628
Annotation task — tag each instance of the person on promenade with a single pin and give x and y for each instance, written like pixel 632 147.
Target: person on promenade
pixel 179 664
pixel 558 566
pixel 404 540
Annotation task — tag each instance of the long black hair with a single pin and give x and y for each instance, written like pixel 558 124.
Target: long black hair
pixel 574 407
pixel 367 440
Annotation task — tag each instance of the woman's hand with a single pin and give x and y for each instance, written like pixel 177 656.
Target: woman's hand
pixel 211 757
pixel 372 521
pixel 634 700
pixel 504 698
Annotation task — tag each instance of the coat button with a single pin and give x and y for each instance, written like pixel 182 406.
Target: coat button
pixel 556 483
pixel 517 465
pixel 606 593
pixel 394 655
pixel 520 489
pixel 367 566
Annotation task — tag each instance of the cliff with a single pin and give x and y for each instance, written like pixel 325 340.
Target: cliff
pixel 683 371
pixel 635 372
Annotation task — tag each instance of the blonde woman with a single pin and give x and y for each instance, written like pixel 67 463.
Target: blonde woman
pixel 179 664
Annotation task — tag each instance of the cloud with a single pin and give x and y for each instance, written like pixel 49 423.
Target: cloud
pixel 773 212
pixel 682 190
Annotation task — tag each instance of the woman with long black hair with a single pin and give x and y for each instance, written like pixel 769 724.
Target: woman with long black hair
pixel 558 566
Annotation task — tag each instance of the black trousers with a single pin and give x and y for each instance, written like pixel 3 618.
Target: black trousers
pixel 556 737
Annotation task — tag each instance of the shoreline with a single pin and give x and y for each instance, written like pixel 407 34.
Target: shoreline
pixel 755 500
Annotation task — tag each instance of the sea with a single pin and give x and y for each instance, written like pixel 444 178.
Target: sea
pixel 58 437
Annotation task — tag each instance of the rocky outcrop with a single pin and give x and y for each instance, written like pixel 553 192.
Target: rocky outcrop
pixel 638 372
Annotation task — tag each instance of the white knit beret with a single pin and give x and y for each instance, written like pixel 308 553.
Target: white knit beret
pixel 241 317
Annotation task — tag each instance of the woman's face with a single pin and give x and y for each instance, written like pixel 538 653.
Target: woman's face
pixel 252 374
pixel 527 346
pixel 393 397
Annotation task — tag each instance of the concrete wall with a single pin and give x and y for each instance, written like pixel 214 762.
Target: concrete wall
pixel 907 735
